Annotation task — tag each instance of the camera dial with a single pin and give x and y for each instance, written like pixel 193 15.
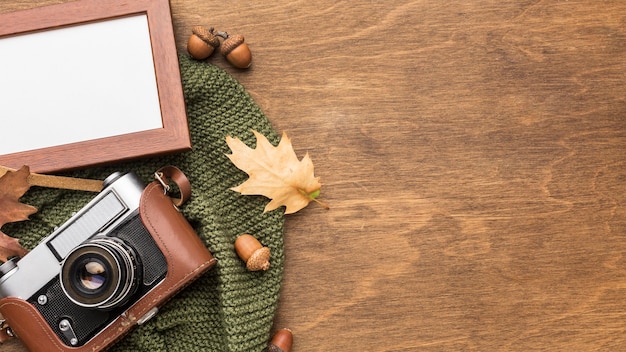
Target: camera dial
pixel 7 267
pixel 101 273
pixel 112 178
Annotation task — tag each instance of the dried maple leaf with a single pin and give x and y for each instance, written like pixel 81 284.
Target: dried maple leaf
pixel 13 185
pixel 275 172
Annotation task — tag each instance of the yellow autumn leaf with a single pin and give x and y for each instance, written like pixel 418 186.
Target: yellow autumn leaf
pixel 275 172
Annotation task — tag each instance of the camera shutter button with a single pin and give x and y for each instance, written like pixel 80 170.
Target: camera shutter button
pixel 112 178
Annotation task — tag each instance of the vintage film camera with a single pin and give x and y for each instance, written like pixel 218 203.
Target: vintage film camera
pixel 106 269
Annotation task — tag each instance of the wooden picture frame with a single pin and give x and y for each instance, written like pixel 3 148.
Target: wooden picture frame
pixel 171 134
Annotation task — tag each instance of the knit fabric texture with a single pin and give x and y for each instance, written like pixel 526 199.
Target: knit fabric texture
pixel 229 308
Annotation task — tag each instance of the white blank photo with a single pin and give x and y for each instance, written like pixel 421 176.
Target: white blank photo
pixel 77 83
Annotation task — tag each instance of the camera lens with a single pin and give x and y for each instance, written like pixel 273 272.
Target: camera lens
pixel 93 274
pixel 102 273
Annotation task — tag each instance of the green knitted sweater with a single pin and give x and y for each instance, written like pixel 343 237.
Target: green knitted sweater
pixel 229 308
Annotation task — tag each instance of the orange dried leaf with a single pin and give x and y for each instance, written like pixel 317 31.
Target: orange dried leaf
pixel 13 185
pixel 275 172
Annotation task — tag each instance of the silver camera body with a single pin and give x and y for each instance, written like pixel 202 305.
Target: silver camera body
pixel 92 267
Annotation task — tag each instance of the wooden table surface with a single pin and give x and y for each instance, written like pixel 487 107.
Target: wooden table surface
pixel 473 154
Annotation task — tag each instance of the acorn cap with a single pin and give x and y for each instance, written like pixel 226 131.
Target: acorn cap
pixel 231 43
pixel 206 36
pixel 259 260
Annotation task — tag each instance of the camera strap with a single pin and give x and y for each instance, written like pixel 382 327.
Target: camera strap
pixel 171 173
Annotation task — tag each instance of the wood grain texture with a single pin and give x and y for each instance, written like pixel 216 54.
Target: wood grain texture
pixel 473 155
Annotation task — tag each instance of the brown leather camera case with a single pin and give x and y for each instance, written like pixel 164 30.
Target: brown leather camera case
pixel 187 259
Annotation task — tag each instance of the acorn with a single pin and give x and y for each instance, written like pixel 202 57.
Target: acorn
pixel 281 342
pixel 250 250
pixel 202 43
pixel 236 51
